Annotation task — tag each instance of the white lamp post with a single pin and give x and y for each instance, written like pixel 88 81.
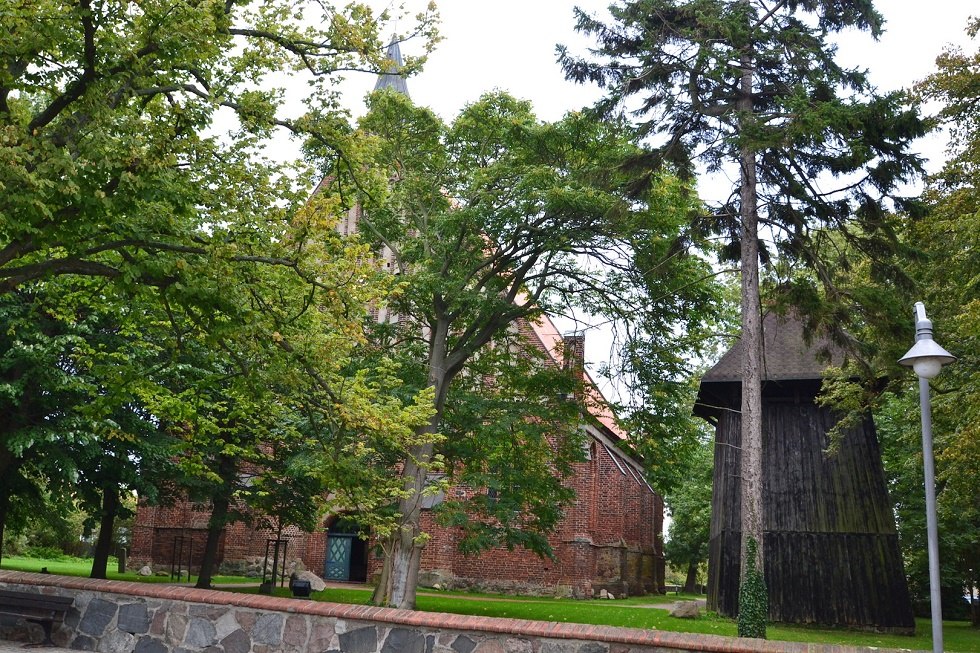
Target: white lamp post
pixel 927 359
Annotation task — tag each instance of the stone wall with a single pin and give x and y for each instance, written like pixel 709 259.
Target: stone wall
pixel 126 617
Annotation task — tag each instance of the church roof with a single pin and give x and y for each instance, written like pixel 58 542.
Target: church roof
pixel 787 356
pixel 393 79
pixel 597 406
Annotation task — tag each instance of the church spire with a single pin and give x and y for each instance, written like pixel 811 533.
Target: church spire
pixel 393 79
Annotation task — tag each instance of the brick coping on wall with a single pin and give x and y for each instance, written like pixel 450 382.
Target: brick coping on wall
pixel 433 620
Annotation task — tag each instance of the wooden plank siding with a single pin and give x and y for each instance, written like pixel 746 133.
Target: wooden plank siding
pixel 832 553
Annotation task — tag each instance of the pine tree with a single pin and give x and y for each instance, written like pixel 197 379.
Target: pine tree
pixel 754 87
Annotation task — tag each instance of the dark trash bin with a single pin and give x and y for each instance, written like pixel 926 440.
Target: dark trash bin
pixel 299 587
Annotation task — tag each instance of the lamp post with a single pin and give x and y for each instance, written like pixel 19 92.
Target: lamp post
pixel 927 359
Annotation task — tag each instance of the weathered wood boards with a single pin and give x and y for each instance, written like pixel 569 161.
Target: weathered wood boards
pixel 832 554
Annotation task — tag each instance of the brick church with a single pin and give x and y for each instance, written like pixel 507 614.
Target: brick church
pixel 609 539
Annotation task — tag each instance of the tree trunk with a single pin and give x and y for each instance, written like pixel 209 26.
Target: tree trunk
pixel 107 520
pixel 220 504
pixel 751 455
pixel 383 589
pixel 4 506
pixel 401 572
pixel 691 582
pixel 753 600
pixel 404 555
pixel 216 525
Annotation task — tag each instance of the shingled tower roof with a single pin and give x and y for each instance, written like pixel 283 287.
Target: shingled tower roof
pixel 786 356
pixel 393 79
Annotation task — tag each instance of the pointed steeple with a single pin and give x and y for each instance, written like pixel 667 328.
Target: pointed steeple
pixel 393 79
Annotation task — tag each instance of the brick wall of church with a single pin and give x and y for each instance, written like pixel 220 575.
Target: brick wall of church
pixel 608 540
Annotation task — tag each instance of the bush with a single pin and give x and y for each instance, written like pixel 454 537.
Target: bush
pixel 753 598
pixel 14 544
pixel 44 553
pixel 53 534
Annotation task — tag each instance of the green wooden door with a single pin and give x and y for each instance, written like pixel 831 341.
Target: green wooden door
pixel 338 557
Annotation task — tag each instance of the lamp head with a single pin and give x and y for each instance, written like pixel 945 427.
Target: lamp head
pixel 926 357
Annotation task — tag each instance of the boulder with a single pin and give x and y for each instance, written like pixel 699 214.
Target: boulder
pixel 433 577
pixel 316 583
pixel 685 610
pixel 145 571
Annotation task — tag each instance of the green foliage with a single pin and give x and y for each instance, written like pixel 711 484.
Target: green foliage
pixel 513 433
pixel 170 299
pixel 950 237
pixel 489 221
pixel 753 598
pixel 939 250
pixel 811 118
pixel 111 119
pixel 45 553
pixel 686 547
pixel 816 156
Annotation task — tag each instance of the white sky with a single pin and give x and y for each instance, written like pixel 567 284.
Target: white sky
pixel 510 45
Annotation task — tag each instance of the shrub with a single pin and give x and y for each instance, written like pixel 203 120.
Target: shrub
pixel 753 598
pixel 44 553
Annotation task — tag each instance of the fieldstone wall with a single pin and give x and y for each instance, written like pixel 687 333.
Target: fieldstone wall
pixel 125 617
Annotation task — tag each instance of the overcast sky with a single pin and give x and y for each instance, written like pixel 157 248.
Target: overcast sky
pixel 510 45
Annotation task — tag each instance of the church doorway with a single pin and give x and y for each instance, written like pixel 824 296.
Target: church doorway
pixel 346 552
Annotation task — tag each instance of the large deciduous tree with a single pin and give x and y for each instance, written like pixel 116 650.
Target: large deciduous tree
pixel 950 237
pixel 487 221
pixel 132 133
pixel 938 267
pixel 755 87
pixel 272 372
pixel 133 170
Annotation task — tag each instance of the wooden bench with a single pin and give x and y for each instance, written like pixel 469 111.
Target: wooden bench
pixel 42 609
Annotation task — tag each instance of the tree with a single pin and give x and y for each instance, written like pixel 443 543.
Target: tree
pixel 948 236
pixel 39 393
pixel 133 160
pixel 117 162
pixel 488 221
pixel 127 456
pixel 272 369
pixel 690 511
pixel 746 84
pixel 938 267
pixel 512 433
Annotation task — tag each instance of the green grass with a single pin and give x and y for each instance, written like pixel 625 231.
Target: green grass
pixel 83 567
pixel 958 635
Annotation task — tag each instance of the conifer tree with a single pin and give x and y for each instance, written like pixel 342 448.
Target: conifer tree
pixel 754 87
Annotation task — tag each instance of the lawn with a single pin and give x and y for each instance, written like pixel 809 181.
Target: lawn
pixel 634 612
pixel 68 566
